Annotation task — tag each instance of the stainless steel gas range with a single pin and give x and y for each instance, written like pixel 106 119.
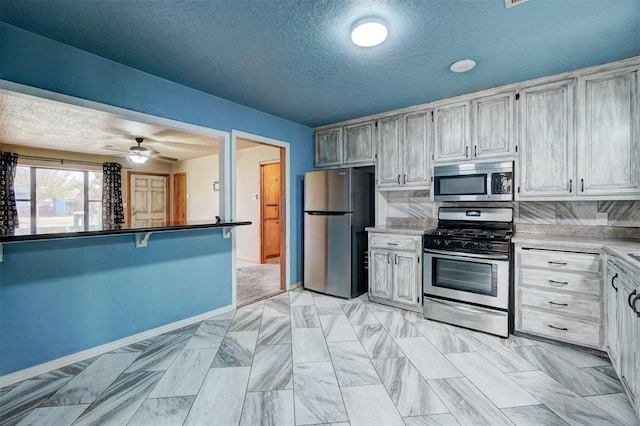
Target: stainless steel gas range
pixel 466 269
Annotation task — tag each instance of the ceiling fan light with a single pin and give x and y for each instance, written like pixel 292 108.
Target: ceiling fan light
pixel 137 158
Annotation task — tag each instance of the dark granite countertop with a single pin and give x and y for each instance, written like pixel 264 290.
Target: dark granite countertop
pixel 120 230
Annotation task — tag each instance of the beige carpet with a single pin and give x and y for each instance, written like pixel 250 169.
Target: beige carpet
pixel 257 281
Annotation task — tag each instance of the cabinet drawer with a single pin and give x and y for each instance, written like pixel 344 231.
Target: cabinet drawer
pixel 396 242
pixel 561 281
pixel 560 260
pixel 561 328
pixel 562 303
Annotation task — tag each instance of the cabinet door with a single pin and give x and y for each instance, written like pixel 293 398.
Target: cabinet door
pixel 612 290
pixel 358 144
pixel 405 278
pixel 629 341
pixel 380 274
pixel 608 150
pixel 493 126
pixel 416 149
pixel 389 136
pixel 547 140
pixel 328 147
pixel 452 132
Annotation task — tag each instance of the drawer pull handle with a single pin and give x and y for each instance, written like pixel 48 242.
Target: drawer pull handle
pixel 553 262
pixel 558 328
pixel 558 283
pixel 612 280
pixel 633 305
pixel 558 304
pixel 392 244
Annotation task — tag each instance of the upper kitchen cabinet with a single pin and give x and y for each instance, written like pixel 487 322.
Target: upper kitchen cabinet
pixel 452 132
pixel 351 145
pixel 493 119
pixel 608 144
pixel 547 140
pixel 328 147
pixel 404 143
pixel 358 146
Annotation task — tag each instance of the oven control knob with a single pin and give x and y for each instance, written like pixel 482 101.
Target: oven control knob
pixel 438 242
pixel 447 242
pixel 463 244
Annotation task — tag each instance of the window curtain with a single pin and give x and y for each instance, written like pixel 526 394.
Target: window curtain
pixel 8 209
pixel 112 208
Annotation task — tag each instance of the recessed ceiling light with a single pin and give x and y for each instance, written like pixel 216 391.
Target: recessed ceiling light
pixel 463 65
pixel 369 34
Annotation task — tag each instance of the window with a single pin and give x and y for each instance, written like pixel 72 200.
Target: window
pixel 58 200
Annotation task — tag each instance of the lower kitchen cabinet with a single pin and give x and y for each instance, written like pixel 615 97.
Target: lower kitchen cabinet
pixel 395 273
pixel 623 327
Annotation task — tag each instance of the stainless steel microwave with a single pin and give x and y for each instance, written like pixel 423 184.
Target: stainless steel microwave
pixel 474 182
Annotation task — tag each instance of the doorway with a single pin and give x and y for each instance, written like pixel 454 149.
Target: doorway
pixel 147 199
pixel 260 197
pixel 179 198
pixel 270 213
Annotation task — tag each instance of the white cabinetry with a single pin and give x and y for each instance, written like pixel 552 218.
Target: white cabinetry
pixel 493 118
pixel 351 145
pixel 608 153
pixel 559 295
pixel 623 326
pixel 452 132
pixel 404 143
pixel 547 140
pixel 395 273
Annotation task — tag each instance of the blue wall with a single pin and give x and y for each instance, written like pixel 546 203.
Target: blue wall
pixel 62 296
pixel 115 298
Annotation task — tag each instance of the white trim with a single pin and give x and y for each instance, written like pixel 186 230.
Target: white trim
pixel 235 134
pixel 55 364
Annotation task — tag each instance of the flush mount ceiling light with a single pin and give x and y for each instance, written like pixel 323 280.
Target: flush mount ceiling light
pixel 463 65
pixel 369 34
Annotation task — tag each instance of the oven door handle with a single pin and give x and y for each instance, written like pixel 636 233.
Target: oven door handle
pixel 463 308
pixel 459 255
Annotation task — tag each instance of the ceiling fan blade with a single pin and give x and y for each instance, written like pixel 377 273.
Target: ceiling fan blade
pixel 113 148
pixel 163 158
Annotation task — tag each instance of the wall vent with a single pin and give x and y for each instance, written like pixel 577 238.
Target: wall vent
pixel 512 3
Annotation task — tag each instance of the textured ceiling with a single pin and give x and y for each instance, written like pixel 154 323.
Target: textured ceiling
pixel 40 123
pixel 294 58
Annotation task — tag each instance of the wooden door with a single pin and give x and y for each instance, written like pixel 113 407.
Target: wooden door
pixel 358 144
pixel 380 274
pixel 405 278
pixel 180 198
pixel 328 147
pixel 547 140
pixel 270 210
pixel 148 199
pixel 388 172
pixel 416 147
pixel 493 125
pixel 608 150
pixel 452 132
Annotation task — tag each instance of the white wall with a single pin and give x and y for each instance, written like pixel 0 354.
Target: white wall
pixel 247 183
pixel 203 203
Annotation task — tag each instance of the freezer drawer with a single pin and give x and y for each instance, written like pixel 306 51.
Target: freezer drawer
pixel 327 254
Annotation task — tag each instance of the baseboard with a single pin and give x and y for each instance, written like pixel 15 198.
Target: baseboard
pixel 257 262
pixel 55 364
pixel 296 285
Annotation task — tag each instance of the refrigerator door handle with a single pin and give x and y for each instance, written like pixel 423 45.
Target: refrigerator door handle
pixel 316 213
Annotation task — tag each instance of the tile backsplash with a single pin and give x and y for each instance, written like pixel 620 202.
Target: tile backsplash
pixel 417 204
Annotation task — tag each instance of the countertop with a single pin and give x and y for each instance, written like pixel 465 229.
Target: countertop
pixel 401 230
pixel 119 230
pixel 617 247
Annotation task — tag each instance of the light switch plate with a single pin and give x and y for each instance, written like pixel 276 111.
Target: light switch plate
pixel 602 219
pixel 255 196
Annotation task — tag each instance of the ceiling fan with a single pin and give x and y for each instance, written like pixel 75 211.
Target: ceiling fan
pixel 140 154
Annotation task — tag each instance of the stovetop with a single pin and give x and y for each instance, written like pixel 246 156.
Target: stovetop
pixel 473 233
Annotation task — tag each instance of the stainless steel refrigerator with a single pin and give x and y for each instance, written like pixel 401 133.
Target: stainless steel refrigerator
pixel 337 208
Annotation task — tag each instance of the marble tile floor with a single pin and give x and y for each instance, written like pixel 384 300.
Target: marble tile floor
pixel 304 358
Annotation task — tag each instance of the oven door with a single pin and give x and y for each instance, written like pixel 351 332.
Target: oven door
pixel 467 277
